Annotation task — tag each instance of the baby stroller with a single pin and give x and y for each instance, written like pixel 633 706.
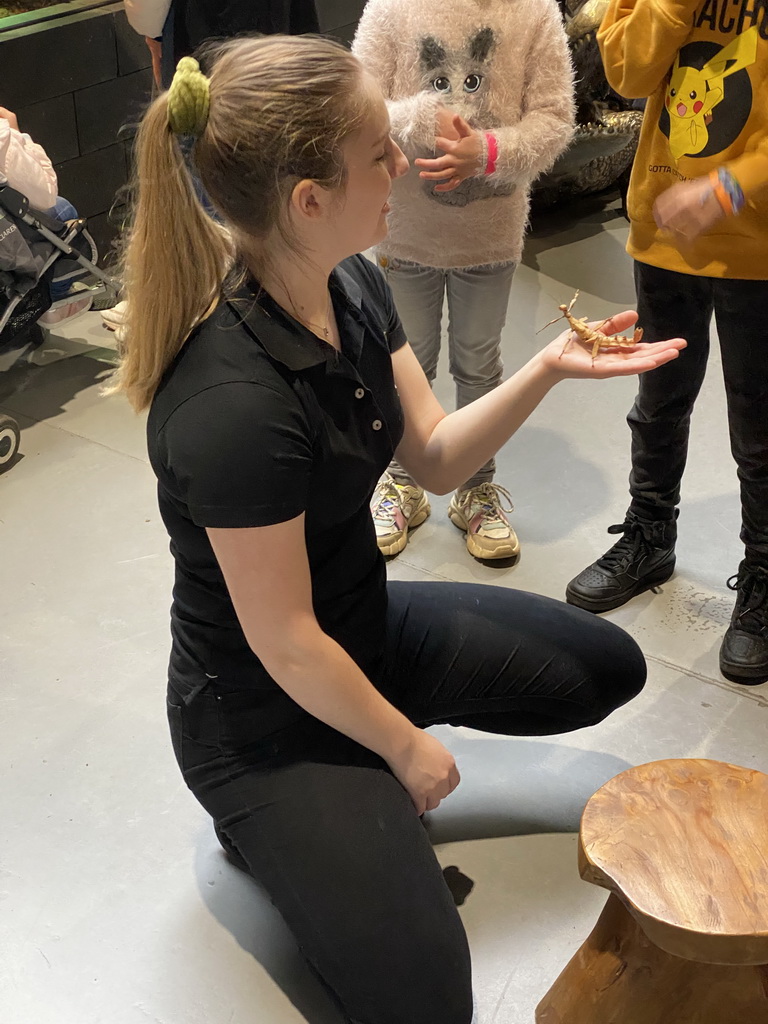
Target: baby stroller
pixel 34 247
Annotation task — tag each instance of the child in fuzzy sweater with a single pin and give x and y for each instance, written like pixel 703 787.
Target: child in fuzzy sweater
pixel 488 85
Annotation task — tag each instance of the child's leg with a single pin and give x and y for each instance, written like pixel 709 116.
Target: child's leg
pixel 418 292
pixel 399 504
pixel 740 310
pixel 477 304
pixel 669 305
pixel 63 210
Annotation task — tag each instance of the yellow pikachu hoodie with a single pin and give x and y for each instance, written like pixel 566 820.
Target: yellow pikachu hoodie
pixel 703 64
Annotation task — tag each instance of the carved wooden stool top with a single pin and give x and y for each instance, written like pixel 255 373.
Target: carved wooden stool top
pixel 684 844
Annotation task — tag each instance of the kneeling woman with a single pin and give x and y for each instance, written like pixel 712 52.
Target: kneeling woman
pixel 279 386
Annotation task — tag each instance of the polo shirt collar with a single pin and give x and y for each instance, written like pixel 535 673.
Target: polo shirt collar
pixel 291 343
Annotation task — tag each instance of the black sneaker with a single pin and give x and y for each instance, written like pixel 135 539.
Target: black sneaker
pixel 641 560
pixel 744 651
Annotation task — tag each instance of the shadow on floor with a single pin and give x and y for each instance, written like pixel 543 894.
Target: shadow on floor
pixel 42 392
pixel 241 906
pixel 571 222
pixel 519 787
pixel 546 467
pixel 597 229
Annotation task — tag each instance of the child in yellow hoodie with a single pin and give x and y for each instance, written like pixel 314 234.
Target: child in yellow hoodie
pixel 698 207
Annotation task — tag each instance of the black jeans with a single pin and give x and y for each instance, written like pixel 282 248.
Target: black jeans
pixel 330 833
pixel 681 305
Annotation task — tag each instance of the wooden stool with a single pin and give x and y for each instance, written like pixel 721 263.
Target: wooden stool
pixel 683 848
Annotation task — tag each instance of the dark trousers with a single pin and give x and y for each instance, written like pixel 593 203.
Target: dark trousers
pixel 330 833
pixel 681 305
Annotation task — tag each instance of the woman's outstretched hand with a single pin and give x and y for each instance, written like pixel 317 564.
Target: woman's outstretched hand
pixel 576 359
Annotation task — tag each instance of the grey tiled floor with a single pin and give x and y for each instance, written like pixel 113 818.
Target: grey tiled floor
pixel 117 905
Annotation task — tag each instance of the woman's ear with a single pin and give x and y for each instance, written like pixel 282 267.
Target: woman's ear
pixel 309 200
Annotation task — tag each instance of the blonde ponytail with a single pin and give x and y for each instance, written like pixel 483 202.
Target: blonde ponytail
pixel 175 263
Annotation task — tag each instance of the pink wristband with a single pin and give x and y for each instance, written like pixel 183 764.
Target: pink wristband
pixel 493 152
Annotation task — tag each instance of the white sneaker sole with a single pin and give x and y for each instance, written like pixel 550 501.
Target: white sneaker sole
pixel 396 542
pixel 483 547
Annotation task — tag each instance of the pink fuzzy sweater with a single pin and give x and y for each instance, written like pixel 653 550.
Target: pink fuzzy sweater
pixel 503 65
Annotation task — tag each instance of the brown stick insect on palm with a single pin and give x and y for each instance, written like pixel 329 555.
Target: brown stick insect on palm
pixel 592 337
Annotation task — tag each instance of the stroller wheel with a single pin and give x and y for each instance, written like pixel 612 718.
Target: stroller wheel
pixel 10 437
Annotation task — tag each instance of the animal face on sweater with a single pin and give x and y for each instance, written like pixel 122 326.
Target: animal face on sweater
pixel 460 76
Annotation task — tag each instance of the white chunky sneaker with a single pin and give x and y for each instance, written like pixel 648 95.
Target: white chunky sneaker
pixel 480 513
pixel 396 508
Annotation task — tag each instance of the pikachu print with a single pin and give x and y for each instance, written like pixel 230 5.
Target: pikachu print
pixel 699 97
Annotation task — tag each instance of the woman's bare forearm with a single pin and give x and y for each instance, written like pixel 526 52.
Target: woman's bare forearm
pixel 320 676
pixel 467 438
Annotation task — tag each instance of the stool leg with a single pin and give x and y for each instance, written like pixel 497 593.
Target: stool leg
pixel 619 977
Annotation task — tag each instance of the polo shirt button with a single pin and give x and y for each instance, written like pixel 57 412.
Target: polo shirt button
pixel 377 424
pixel 360 393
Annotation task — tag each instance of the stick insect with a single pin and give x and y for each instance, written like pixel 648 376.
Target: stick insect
pixel 592 337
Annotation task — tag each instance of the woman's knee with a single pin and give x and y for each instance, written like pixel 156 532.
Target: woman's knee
pixel 621 673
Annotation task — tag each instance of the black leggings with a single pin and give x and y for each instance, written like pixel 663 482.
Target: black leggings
pixel 333 837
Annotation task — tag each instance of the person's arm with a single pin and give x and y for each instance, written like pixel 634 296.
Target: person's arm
pixel 689 209
pixel 268 579
pixel 147 17
pixel 518 153
pixel 529 148
pixel 750 169
pixel 639 39
pixel 155 48
pixel 25 165
pixel 413 119
pixel 440 451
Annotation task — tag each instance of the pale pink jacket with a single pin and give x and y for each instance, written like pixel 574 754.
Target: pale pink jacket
pixel 507 66
pixel 25 166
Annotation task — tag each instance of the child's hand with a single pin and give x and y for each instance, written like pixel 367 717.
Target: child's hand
pixel 10 117
pixel 688 209
pixel 462 157
pixel 444 126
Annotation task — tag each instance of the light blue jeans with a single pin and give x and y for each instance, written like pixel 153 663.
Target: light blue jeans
pixel 60 286
pixel 477 311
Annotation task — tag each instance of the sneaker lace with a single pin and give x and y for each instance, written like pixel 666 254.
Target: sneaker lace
pixel 386 500
pixel 638 539
pixel 488 498
pixel 751 584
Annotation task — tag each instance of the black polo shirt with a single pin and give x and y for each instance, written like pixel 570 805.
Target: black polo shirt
pixel 255 422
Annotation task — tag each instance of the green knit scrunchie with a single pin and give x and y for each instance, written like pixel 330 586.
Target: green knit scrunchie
pixel 189 99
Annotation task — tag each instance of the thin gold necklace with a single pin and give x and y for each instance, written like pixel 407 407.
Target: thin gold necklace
pixel 308 323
